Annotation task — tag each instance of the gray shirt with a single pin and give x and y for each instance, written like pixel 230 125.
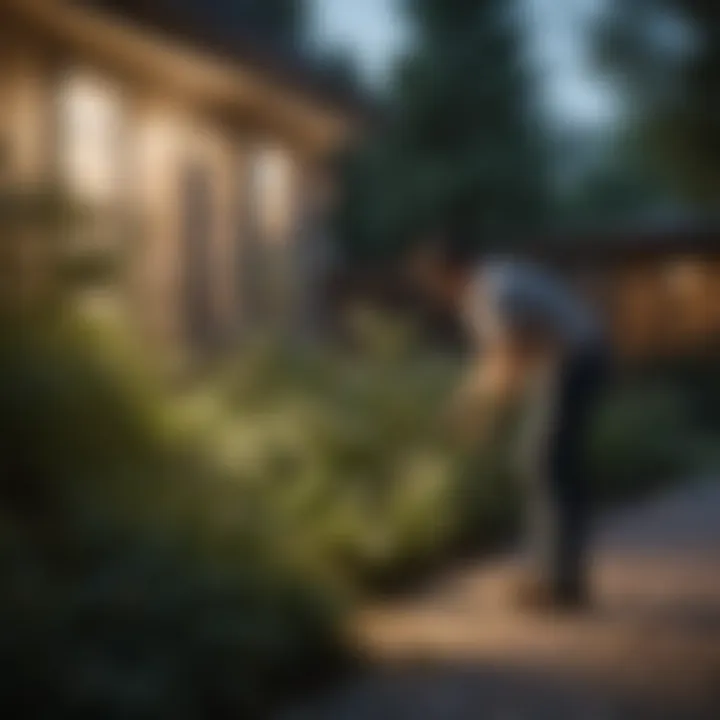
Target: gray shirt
pixel 508 295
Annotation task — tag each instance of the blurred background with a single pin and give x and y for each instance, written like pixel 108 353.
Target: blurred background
pixel 219 388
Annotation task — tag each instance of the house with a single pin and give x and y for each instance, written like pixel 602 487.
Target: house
pixel 656 286
pixel 217 157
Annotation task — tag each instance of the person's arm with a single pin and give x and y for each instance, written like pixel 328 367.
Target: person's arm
pixel 487 389
pixel 467 407
pixel 472 407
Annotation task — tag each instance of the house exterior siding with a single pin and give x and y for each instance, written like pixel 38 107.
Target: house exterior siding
pixel 166 134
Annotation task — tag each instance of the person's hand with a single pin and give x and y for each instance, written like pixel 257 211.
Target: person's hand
pixel 478 406
pixel 468 417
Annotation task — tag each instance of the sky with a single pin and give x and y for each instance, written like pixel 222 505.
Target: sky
pixel 372 29
pixel 375 33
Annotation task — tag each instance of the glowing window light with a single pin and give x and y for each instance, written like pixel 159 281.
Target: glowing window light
pixel 273 193
pixel 690 295
pixel 89 137
pixel 686 277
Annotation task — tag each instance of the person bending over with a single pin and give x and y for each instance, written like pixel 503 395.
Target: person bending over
pixel 534 341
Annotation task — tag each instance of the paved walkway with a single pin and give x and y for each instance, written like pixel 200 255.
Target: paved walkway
pixel 650 648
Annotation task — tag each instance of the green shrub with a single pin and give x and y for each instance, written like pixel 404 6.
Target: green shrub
pixel 138 581
pixel 75 428
pixel 136 628
pixel 700 379
pixel 346 452
pixel 181 554
pixel 345 449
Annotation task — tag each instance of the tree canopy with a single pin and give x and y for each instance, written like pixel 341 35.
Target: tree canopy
pixel 664 56
pixel 462 147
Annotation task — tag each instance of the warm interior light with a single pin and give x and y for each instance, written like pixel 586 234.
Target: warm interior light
pixel 274 193
pixel 684 277
pixel 90 137
pixel 690 297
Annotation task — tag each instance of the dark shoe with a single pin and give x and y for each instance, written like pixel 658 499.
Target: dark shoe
pixel 573 598
pixel 529 593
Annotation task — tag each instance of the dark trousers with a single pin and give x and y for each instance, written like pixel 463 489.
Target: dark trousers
pixel 557 482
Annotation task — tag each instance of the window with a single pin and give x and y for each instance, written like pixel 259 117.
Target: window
pixel 689 298
pixel 273 194
pixel 266 233
pixel 90 154
pixel 89 137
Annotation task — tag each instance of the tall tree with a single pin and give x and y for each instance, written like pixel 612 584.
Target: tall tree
pixel 463 147
pixel 665 58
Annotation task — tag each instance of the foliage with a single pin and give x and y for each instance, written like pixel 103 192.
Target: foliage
pixel 176 552
pixel 340 71
pixel 347 450
pixel 664 56
pixel 133 627
pixel 462 146
pixel 643 439
pixel 345 447
pixel 604 182
pixel 134 587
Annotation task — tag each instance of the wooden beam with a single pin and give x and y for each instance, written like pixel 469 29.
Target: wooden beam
pixel 189 73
